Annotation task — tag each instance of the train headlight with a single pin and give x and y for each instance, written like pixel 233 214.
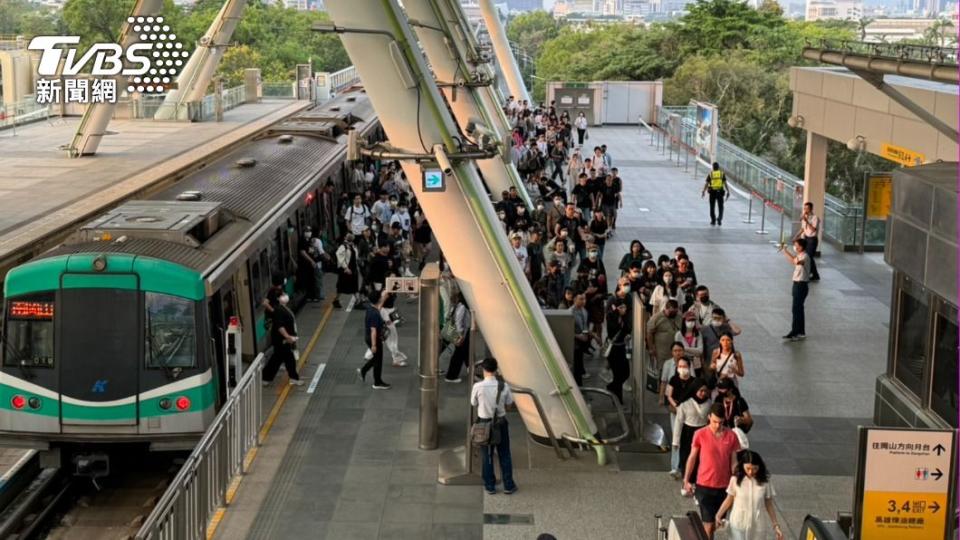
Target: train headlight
pixel 165 403
pixel 18 402
pixel 100 264
pixel 34 402
pixel 183 403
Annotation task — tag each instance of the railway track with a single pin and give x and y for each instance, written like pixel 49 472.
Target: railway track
pixel 55 505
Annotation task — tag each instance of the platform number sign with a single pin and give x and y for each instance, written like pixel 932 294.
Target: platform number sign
pixel 905 483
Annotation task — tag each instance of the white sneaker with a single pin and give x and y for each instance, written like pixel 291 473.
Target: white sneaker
pixel 399 363
pixel 627 387
pixel 353 302
pixel 296 382
pixel 675 474
pixel 606 376
pixel 265 383
pixel 586 376
pixel 458 380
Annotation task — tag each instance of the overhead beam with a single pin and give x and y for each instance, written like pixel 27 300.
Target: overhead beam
pixel 876 79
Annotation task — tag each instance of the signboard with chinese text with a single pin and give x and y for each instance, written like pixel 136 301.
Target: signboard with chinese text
pixel 905 484
pixel 879 195
pixel 901 155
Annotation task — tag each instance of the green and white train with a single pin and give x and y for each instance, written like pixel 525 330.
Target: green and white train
pixel 117 336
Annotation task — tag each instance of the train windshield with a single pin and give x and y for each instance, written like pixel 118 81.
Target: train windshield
pixel 171 332
pixel 28 340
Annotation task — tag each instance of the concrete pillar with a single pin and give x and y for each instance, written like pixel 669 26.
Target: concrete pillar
pixel 815 174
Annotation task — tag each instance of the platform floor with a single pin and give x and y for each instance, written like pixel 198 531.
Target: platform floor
pixel 342 462
pixel 42 190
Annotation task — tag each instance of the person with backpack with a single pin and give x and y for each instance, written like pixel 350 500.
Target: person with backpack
pixel 357 216
pixel 491 396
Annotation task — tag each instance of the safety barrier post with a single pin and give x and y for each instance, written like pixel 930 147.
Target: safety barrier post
pixel 670 157
pixel 686 161
pixel 749 208
pixel 763 217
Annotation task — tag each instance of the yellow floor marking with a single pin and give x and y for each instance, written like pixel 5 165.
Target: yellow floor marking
pixel 265 430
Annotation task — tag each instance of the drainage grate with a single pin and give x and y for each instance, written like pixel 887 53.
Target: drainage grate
pixel 508 519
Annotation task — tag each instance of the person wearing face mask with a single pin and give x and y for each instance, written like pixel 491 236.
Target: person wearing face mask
pixel 557 251
pixel 669 289
pixel 717 325
pixel 521 222
pixel 348 280
pixel 618 327
pixel 374 328
pixel 402 216
pixel 582 195
pixel 667 371
pixel 520 251
pixel 702 306
pixel 599 228
pixel 679 389
pixel 422 240
pixel 689 336
pixel 381 209
pixel 692 414
pixel 596 271
pixel 392 340
pixel 538 218
pixel 574 168
pixel 554 213
pixel 736 411
pixel 283 335
pixel 661 329
pixel 649 280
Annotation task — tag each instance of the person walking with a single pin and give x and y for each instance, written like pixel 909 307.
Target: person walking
pixel 491 396
pixel 582 336
pixel 581 124
pixel 283 335
pixel 373 335
pixel 749 494
pixel 716 185
pixel 801 287
pixel 348 268
pixel 810 234
pixel 390 316
pixel 713 454
pixel 618 326
pixel 460 356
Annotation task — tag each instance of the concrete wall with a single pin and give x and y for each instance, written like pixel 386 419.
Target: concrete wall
pixel 840 105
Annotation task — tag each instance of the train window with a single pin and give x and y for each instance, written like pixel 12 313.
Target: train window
pixel 29 333
pixel 171 331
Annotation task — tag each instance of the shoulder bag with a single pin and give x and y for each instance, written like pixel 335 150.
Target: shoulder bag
pixel 482 432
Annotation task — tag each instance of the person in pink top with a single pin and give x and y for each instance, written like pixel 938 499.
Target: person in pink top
pixel 715 447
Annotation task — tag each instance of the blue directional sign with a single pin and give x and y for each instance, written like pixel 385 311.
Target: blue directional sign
pixel 433 180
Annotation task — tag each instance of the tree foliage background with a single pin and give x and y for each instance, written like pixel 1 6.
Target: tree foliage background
pixel 723 52
pixel 270 37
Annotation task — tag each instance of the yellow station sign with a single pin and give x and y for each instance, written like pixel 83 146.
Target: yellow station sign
pixel 879 196
pixel 907 476
pixel 903 156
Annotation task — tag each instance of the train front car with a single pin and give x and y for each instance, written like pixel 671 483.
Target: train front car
pixel 104 348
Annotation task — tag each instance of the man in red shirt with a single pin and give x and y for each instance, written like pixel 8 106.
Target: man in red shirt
pixel 715 447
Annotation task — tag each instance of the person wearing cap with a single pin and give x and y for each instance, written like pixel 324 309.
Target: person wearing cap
pixel 491 396
pixel 520 251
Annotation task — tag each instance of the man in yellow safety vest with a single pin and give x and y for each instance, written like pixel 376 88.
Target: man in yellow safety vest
pixel 716 185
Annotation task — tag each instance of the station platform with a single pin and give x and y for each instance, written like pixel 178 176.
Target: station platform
pixel 42 191
pixel 341 461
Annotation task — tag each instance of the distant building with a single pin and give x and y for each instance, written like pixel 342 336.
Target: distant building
pixel 524 5
pixel 305 5
pixel 893 30
pixel 842 10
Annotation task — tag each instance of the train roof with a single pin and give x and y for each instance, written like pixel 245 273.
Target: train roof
pixel 207 214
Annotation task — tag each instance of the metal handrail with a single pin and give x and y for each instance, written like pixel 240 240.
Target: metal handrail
pixel 185 509
pixel 623 421
pixel 543 418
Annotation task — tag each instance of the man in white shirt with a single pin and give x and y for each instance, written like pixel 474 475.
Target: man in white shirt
pixel 490 396
pixel 516 240
pixel 402 216
pixel 810 233
pixel 357 216
pixel 382 209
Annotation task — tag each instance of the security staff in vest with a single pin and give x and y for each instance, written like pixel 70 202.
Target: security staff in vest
pixel 716 184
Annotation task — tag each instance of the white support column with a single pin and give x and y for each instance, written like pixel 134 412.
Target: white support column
pixel 501 47
pixel 815 174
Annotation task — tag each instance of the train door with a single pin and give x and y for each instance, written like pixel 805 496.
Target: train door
pixel 241 283
pixel 99 350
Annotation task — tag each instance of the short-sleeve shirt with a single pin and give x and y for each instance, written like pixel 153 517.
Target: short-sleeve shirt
pixel 372 320
pixel 715 455
pixel 801 270
pixel 282 318
pixel 484 393
pixel 582 193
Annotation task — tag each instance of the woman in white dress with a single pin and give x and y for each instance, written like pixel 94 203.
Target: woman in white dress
pixel 748 496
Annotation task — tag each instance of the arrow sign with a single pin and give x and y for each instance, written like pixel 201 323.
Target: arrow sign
pixel 934 506
pixel 939 449
pixel 937 474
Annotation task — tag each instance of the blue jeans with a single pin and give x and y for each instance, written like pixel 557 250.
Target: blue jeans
pixel 506 462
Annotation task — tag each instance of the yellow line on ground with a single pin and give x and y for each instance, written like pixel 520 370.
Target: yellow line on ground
pixel 265 430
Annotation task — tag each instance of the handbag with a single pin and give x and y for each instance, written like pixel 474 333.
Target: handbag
pixel 449 332
pixel 715 378
pixel 482 432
